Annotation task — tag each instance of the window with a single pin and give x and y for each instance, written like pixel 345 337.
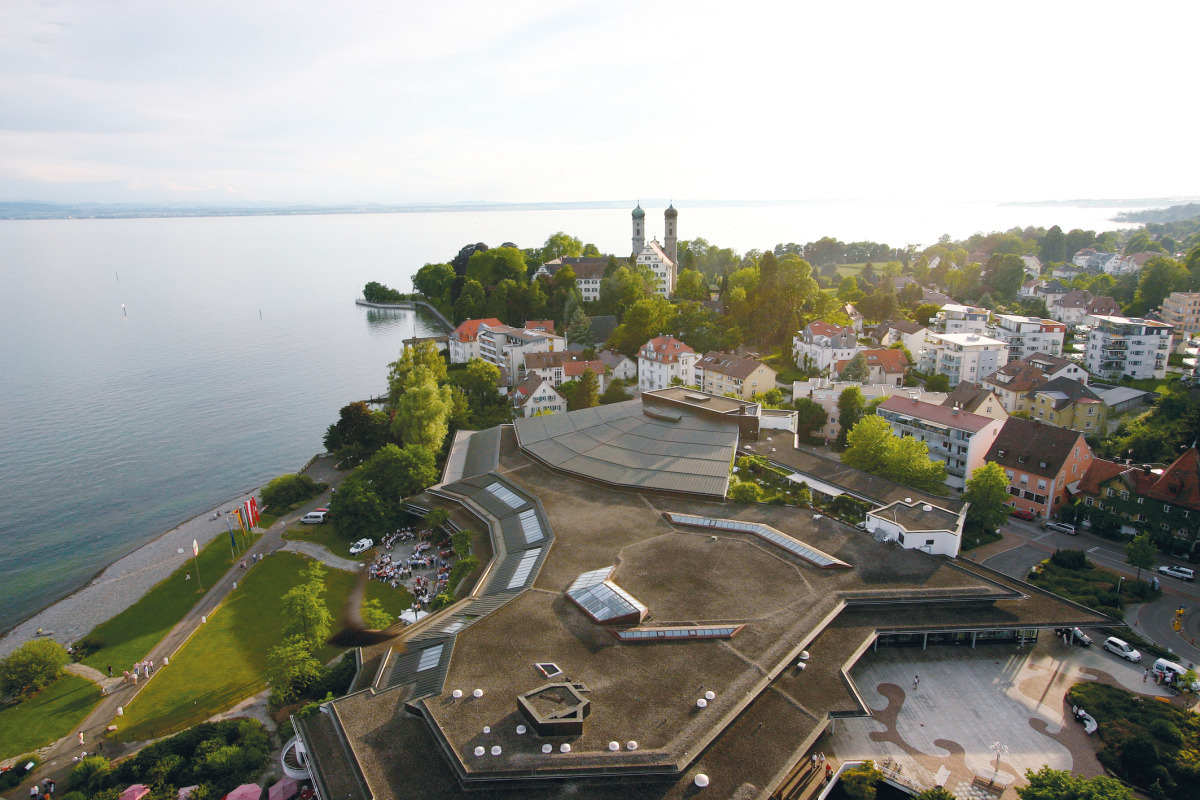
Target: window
pixel 1109 493
pixel 1089 501
pixel 1141 500
pixel 1124 495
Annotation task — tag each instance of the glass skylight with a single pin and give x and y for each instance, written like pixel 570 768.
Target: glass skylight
pixel 678 632
pixel 603 600
pixel 429 658
pixel 531 525
pixel 782 540
pixel 506 496
pixel 524 567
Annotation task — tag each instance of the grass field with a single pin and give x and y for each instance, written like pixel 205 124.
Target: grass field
pixel 326 535
pixel 128 637
pixel 225 661
pixel 47 717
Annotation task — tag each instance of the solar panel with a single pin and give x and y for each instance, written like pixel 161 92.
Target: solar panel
pixel 524 567
pixel 793 546
pixel 429 658
pixel 509 498
pixel 531 525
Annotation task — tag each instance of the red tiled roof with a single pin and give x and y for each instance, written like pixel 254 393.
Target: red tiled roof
pixel 573 369
pixel 1024 377
pixel 1099 473
pixel 546 325
pixel 1026 444
pixel 468 331
pixel 668 348
pixel 919 409
pixel 822 328
pixel 726 364
pixel 1179 483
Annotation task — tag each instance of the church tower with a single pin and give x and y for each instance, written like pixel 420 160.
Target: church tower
pixel 671 238
pixel 639 229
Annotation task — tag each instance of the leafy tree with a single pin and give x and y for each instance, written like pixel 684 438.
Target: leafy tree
pixel 744 492
pixel 624 287
pixel 406 371
pixel 471 302
pixel 850 411
pixel 1005 275
pixel 434 281
pixel 613 394
pixel 560 244
pixel 587 395
pixel 909 463
pixel 395 473
pixel 810 417
pixel 580 329
pixel 1054 246
pixel 32 667
pixel 286 490
pixel 292 668
pixel 460 261
pixel 987 492
pixel 91 774
pixel 423 415
pixel 868 445
pixel 644 320
pixel 856 369
pixel 1159 278
pixel 305 615
pixel 357 434
pixel 925 312
pixel 879 306
pixel 357 508
pixel 1060 784
pixel 1141 553
pixel 936 793
pixel 375 292
pixel 486 406
pixel 374 616
pixel 848 290
pixel 492 267
pixel 691 286
pixel 859 782
pixel 937 383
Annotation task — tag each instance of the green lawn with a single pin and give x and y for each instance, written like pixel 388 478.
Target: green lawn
pixel 225 661
pixel 128 637
pixel 327 535
pixel 46 717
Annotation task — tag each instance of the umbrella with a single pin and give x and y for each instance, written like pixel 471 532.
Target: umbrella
pixel 184 793
pixel 284 790
pixel 247 791
pixel 135 792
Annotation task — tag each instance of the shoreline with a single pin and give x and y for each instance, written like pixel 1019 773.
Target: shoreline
pixel 122 583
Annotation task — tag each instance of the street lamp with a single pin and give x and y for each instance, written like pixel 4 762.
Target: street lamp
pixel 999 750
pixel 1119 580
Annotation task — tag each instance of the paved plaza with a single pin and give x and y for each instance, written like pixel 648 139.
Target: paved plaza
pixel 969 699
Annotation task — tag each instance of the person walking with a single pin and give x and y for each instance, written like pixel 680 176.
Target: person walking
pixel 916 681
pixel 81 737
pixel 1145 674
pixel 110 670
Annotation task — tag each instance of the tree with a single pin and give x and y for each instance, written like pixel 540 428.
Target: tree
pixel 937 383
pixel 856 369
pixel 909 463
pixel 1159 278
pixel 356 508
pixel 936 793
pixel 399 472
pixel 579 330
pixel 287 490
pixel 1141 553
pixel 691 286
pixel 613 394
pixel 423 415
pixel 374 616
pixel 492 267
pixel 292 668
pixel 850 411
pixel 1060 784
pixel 859 782
pixel 1005 275
pixel 644 320
pixel 868 445
pixel 32 667
pixel 375 292
pixel 471 302
pixel 848 290
pixel 587 394
pixel 810 417
pixel 560 244
pixel 1053 248
pixel 486 406
pixel 743 491
pixel 925 312
pixel 434 281
pixel 987 492
pixel 357 434
pixel 304 612
pixel 406 371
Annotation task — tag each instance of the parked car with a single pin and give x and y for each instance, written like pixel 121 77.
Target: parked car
pixel 1075 635
pixel 1173 673
pixel 360 546
pixel 314 517
pixel 1021 513
pixel 1122 648
pixel 1183 573
pixel 1061 527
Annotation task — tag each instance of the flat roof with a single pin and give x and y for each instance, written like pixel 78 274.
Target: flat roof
pixel 919 516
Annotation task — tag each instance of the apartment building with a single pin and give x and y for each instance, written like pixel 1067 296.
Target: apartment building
pixel 1145 497
pixel 506 346
pixel 1040 461
pixel 958 438
pixel 825 393
pixel 1057 367
pixel 464 340
pixel 1012 384
pixel 1078 305
pixel 822 344
pixel 535 395
pixel 562 366
pixel 977 399
pixel 954 318
pixel 722 373
pixel 1065 403
pixel 1182 309
pixel 1028 335
pixel 1135 347
pixel 962 356
pixel 662 359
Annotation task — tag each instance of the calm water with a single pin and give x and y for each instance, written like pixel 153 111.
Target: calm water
pixel 139 385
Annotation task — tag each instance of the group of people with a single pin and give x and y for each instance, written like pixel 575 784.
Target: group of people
pixel 44 789
pixel 395 570
pixel 142 669
pixel 400 535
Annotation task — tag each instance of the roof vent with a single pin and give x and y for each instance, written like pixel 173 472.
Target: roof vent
pixel 927 507
pixel 908 500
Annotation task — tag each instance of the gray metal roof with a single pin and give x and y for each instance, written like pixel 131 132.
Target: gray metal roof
pixel 622 445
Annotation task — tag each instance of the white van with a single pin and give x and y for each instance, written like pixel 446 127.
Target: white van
pixel 314 517
pixel 1162 667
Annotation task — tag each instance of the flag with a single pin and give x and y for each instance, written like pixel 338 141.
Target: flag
pixel 241 520
pixel 195 548
pixel 252 510
pixel 232 541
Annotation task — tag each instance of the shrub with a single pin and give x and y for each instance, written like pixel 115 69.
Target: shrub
pixel 1167 731
pixel 743 492
pixel 90 775
pixel 13 777
pixel 1070 559
pixel 1110 611
pixel 32 666
pixel 287 490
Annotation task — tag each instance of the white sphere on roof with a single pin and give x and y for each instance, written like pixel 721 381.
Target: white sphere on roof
pixel 496 750
pixel 631 745
pixel 479 751
pixel 701 780
pixel 546 748
pixel 521 729
pixel 614 746
pixel 701 703
pixel 710 695
pixel 487 729
pixel 477 693
pixel 457 693
pixel 564 748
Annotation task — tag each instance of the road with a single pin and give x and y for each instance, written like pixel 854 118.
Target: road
pixel 1031 545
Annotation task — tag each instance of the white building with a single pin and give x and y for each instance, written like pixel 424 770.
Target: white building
pixel 823 344
pixel 917 525
pixel 562 366
pixel 958 438
pixel 464 340
pixel 1120 346
pixel 655 258
pixel 1076 306
pixel 954 318
pixel 589 271
pixel 722 373
pixel 962 356
pixel 825 393
pixel 910 334
pixel 1182 309
pixel 622 366
pixel 535 394
pixel 506 346
pixel 662 359
pixel 1028 335
pixel 1054 367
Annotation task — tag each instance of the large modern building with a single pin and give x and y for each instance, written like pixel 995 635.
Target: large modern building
pixel 825 393
pixel 1120 346
pixel 958 438
pixel 631 635
pixel 962 356
pixel 464 340
pixel 955 318
pixel 1025 336
pixel 1182 309
pixel 506 346
pixel 1065 403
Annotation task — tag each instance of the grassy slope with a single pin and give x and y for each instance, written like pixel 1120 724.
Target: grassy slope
pixel 46 717
pixel 127 638
pixel 225 661
pixel 328 536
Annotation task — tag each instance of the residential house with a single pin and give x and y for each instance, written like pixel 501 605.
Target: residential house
pixel 1182 309
pixel 977 399
pixel 1102 307
pixel 1029 289
pixel 722 373
pixel 1068 404
pixel 1139 259
pixel 1081 258
pixel 506 346
pixel 955 318
pixel 825 393
pixel 1012 382
pixel 1163 501
pixel 1057 367
pixel 906 332
pixel 1041 462
pixel 1120 346
pixel 663 358
pixel 886 366
pixel 856 319
pixel 1028 335
pixel 534 394
pixel 621 366
pixel 589 271
pixel 962 356
pixel 958 438
pixel 1033 266
pixel 822 344
pixel 464 340
pixel 1077 305
pixel 562 366
pixel 543 325
pixel 1066 272
pixel 1051 292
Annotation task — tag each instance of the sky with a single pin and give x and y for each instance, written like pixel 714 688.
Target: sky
pixel 259 101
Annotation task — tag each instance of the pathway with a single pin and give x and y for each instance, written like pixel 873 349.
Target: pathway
pixel 322 553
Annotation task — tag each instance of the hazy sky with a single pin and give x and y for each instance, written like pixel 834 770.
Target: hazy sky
pixel 506 100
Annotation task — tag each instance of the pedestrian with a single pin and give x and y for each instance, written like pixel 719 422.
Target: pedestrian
pixel 916 681
pixel 150 667
pixel 814 760
pixel 126 678
pixel 50 785
pixel 34 791
pixel 822 756
pixel 81 737
pixel 135 679
pixel 1145 674
pixel 189 576
pixel 110 670
pixel 828 772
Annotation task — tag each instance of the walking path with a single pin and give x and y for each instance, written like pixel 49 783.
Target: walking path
pixel 321 553
pixel 63 754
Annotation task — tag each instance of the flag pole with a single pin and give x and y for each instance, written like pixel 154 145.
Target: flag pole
pixel 232 541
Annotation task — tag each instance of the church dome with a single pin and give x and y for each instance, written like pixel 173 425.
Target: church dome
pixel 671 213
pixel 638 213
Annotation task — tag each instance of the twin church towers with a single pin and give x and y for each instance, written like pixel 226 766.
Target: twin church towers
pixel 670 245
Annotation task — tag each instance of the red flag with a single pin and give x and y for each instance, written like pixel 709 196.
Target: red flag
pixel 253 510
pixel 195 548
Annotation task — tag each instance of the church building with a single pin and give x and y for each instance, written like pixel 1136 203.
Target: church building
pixel 662 259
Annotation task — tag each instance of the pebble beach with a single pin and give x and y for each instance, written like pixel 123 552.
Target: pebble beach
pixel 122 583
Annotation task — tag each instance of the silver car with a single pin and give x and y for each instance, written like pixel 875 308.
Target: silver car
pixel 1122 648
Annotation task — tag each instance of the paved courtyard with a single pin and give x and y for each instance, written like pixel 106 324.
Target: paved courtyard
pixel 969 699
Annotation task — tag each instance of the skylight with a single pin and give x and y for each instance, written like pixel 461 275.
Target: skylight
pixel 524 568
pixel 506 496
pixel 793 546
pixel 531 526
pixel 677 632
pixel 603 600
pixel 429 658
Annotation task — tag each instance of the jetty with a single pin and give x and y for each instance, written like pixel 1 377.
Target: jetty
pixel 409 305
